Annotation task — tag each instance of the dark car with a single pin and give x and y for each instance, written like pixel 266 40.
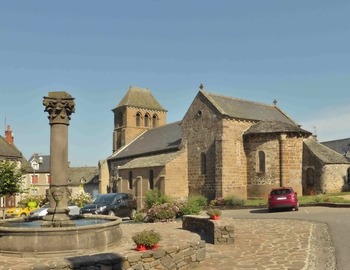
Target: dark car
pixel 283 198
pixel 113 204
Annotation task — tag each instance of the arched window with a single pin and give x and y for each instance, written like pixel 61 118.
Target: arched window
pixel 151 179
pixel 155 120
pixel 147 120
pixel 310 177
pixel 130 180
pixel 138 119
pixel 261 160
pixel 203 163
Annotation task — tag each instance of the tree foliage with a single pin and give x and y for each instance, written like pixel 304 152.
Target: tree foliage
pixel 11 178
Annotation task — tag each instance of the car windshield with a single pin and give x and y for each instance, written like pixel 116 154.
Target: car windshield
pixel 281 192
pixel 104 199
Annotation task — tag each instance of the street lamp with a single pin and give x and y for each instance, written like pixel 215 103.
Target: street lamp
pixel 35 164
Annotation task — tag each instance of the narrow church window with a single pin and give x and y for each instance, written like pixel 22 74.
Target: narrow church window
pixel 130 180
pixel 348 176
pixel 155 120
pixel 203 163
pixel 147 120
pixel 151 179
pixel 138 119
pixel 310 177
pixel 120 119
pixel 119 140
pixel 262 167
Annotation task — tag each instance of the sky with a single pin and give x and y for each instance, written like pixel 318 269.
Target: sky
pixel 297 52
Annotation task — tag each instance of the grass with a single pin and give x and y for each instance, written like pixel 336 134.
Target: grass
pixel 304 200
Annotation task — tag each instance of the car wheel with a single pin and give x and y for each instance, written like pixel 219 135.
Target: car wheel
pixel 132 214
pixel 23 215
pixel 111 213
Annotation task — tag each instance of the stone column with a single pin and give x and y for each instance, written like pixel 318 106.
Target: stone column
pixel 59 105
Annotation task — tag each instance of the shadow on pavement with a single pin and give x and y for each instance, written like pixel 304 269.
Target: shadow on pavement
pixel 259 211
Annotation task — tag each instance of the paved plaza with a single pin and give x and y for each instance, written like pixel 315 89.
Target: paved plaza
pixel 259 244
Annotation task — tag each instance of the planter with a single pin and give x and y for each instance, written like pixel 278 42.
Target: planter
pixel 146 239
pixel 155 246
pixel 32 204
pixel 140 247
pixel 215 217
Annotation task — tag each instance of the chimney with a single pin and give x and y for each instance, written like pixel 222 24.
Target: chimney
pixel 9 135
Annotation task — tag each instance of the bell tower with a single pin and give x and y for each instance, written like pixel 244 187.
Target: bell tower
pixel 137 112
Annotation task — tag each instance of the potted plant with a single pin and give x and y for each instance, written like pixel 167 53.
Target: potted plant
pixel 214 213
pixel 146 239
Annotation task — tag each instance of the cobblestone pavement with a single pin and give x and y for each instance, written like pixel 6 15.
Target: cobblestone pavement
pixel 259 244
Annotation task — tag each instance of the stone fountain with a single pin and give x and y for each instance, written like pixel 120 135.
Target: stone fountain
pixel 58 234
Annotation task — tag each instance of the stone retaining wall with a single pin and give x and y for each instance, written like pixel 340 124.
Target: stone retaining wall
pixel 217 232
pixel 187 256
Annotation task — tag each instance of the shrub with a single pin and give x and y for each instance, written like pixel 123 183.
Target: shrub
pixel 199 199
pixel 146 237
pixel 193 206
pixel 81 198
pixel 162 212
pixel 233 201
pixel 39 199
pixel 217 202
pixel 139 216
pixel 213 212
pixel 325 199
pixel 317 199
pixel 154 197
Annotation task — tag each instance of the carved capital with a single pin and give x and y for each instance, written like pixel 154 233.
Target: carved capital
pixel 59 105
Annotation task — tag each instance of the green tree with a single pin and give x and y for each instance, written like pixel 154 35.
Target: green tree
pixel 11 178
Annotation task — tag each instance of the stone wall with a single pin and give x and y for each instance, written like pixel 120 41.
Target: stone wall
pixel 176 178
pixel 283 159
pixel 171 179
pixel 217 232
pixel 201 126
pixel 185 257
pixel 328 178
pixel 103 176
pixel 125 131
pixel 334 178
pixel 232 159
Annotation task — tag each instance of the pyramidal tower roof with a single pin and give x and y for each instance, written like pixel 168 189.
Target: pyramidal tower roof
pixel 140 98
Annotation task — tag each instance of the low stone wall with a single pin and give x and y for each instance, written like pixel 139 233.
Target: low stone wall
pixel 185 257
pixel 217 232
pixel 178 249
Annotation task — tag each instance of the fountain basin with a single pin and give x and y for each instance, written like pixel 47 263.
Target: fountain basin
pixel 60 241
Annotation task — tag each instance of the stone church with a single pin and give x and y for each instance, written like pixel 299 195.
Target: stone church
pixel 223 146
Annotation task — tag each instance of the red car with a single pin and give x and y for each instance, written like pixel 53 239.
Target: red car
pixel 283 198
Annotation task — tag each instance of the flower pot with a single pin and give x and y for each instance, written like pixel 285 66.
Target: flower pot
pixel 215 217
pixel 155 246
pixel 140 247
pixel 32 204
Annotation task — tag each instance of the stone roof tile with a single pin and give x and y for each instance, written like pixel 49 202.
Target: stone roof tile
pixel 156 140
pixel 244 109
pixel 140 98
pixel 324 153
pixel 275 127
pixel 8 151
